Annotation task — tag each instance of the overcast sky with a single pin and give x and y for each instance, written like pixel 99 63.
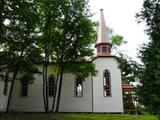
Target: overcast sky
pixel 120 16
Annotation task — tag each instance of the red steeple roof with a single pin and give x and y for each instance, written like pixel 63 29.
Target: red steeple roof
pixel 103 43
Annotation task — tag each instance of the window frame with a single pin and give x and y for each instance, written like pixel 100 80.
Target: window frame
pixel 75 87
pixel 108 86
pixel 51 87
pixel 109 49
pixel 98 49
pixel 5 90
pixel 22 87
pixel 104 49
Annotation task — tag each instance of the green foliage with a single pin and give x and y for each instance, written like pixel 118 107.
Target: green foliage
pixel 50 37
pixel 18 37
pixel 65 26
pixel 27 77
pixel 149 91
pixel 66 36
pixel 150 13
pixel 130 70
pixel 117 40
pixel 76 36
pixel 83 69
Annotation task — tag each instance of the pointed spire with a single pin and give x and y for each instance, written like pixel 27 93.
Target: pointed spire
pixel 103 36
pixel 103 43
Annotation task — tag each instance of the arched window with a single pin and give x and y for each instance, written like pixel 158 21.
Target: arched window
pixel 51 81
pixel 106 83
pixel 78 86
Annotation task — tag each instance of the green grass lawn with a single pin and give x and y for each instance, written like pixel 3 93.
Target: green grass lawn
pixel 74 116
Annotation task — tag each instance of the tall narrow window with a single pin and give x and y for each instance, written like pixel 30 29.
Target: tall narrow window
pixel 51 85
pixel 106 83
pixel 109 49
pixel 5 91
pixel 24 88
pixel 79 86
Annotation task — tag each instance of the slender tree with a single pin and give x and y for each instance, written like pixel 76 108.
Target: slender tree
pixel 67 34
pixel 18 39
pixel 49 27
pixel 77 35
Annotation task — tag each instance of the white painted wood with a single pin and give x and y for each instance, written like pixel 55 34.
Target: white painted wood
pixel 33 102
pixel 3 98
pixel 70 103
pixel 115 102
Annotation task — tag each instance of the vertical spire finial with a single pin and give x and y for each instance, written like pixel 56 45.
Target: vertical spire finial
pixel 101 9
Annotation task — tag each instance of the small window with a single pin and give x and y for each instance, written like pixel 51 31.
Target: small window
pixel 79 86
pixel 5 91
pixel 99 49
pixel 106 83
pixel 109 49
pixel 24 88
pixel 51 85
pixel 104 49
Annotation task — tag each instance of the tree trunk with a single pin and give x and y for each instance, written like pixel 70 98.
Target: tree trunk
pixel 55 91
pixel 44 85
pixel 60 81
pixel 59 90
pixel 12 81
pixel 45 80
pixel 11 90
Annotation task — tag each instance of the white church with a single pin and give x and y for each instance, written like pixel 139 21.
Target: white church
pixel 100 94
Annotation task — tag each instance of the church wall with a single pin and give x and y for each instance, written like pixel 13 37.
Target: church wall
pixel 115 102
pixel 31 103
pixel 70 103
pixel 3 98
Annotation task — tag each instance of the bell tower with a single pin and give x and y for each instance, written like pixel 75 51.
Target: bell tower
pixel 103 44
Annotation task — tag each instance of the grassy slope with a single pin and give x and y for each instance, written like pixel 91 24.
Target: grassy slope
pixel 72 116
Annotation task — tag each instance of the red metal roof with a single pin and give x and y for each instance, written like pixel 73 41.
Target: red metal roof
pixel 127 87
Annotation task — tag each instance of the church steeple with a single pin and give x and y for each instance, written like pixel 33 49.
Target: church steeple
pixel 103 43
